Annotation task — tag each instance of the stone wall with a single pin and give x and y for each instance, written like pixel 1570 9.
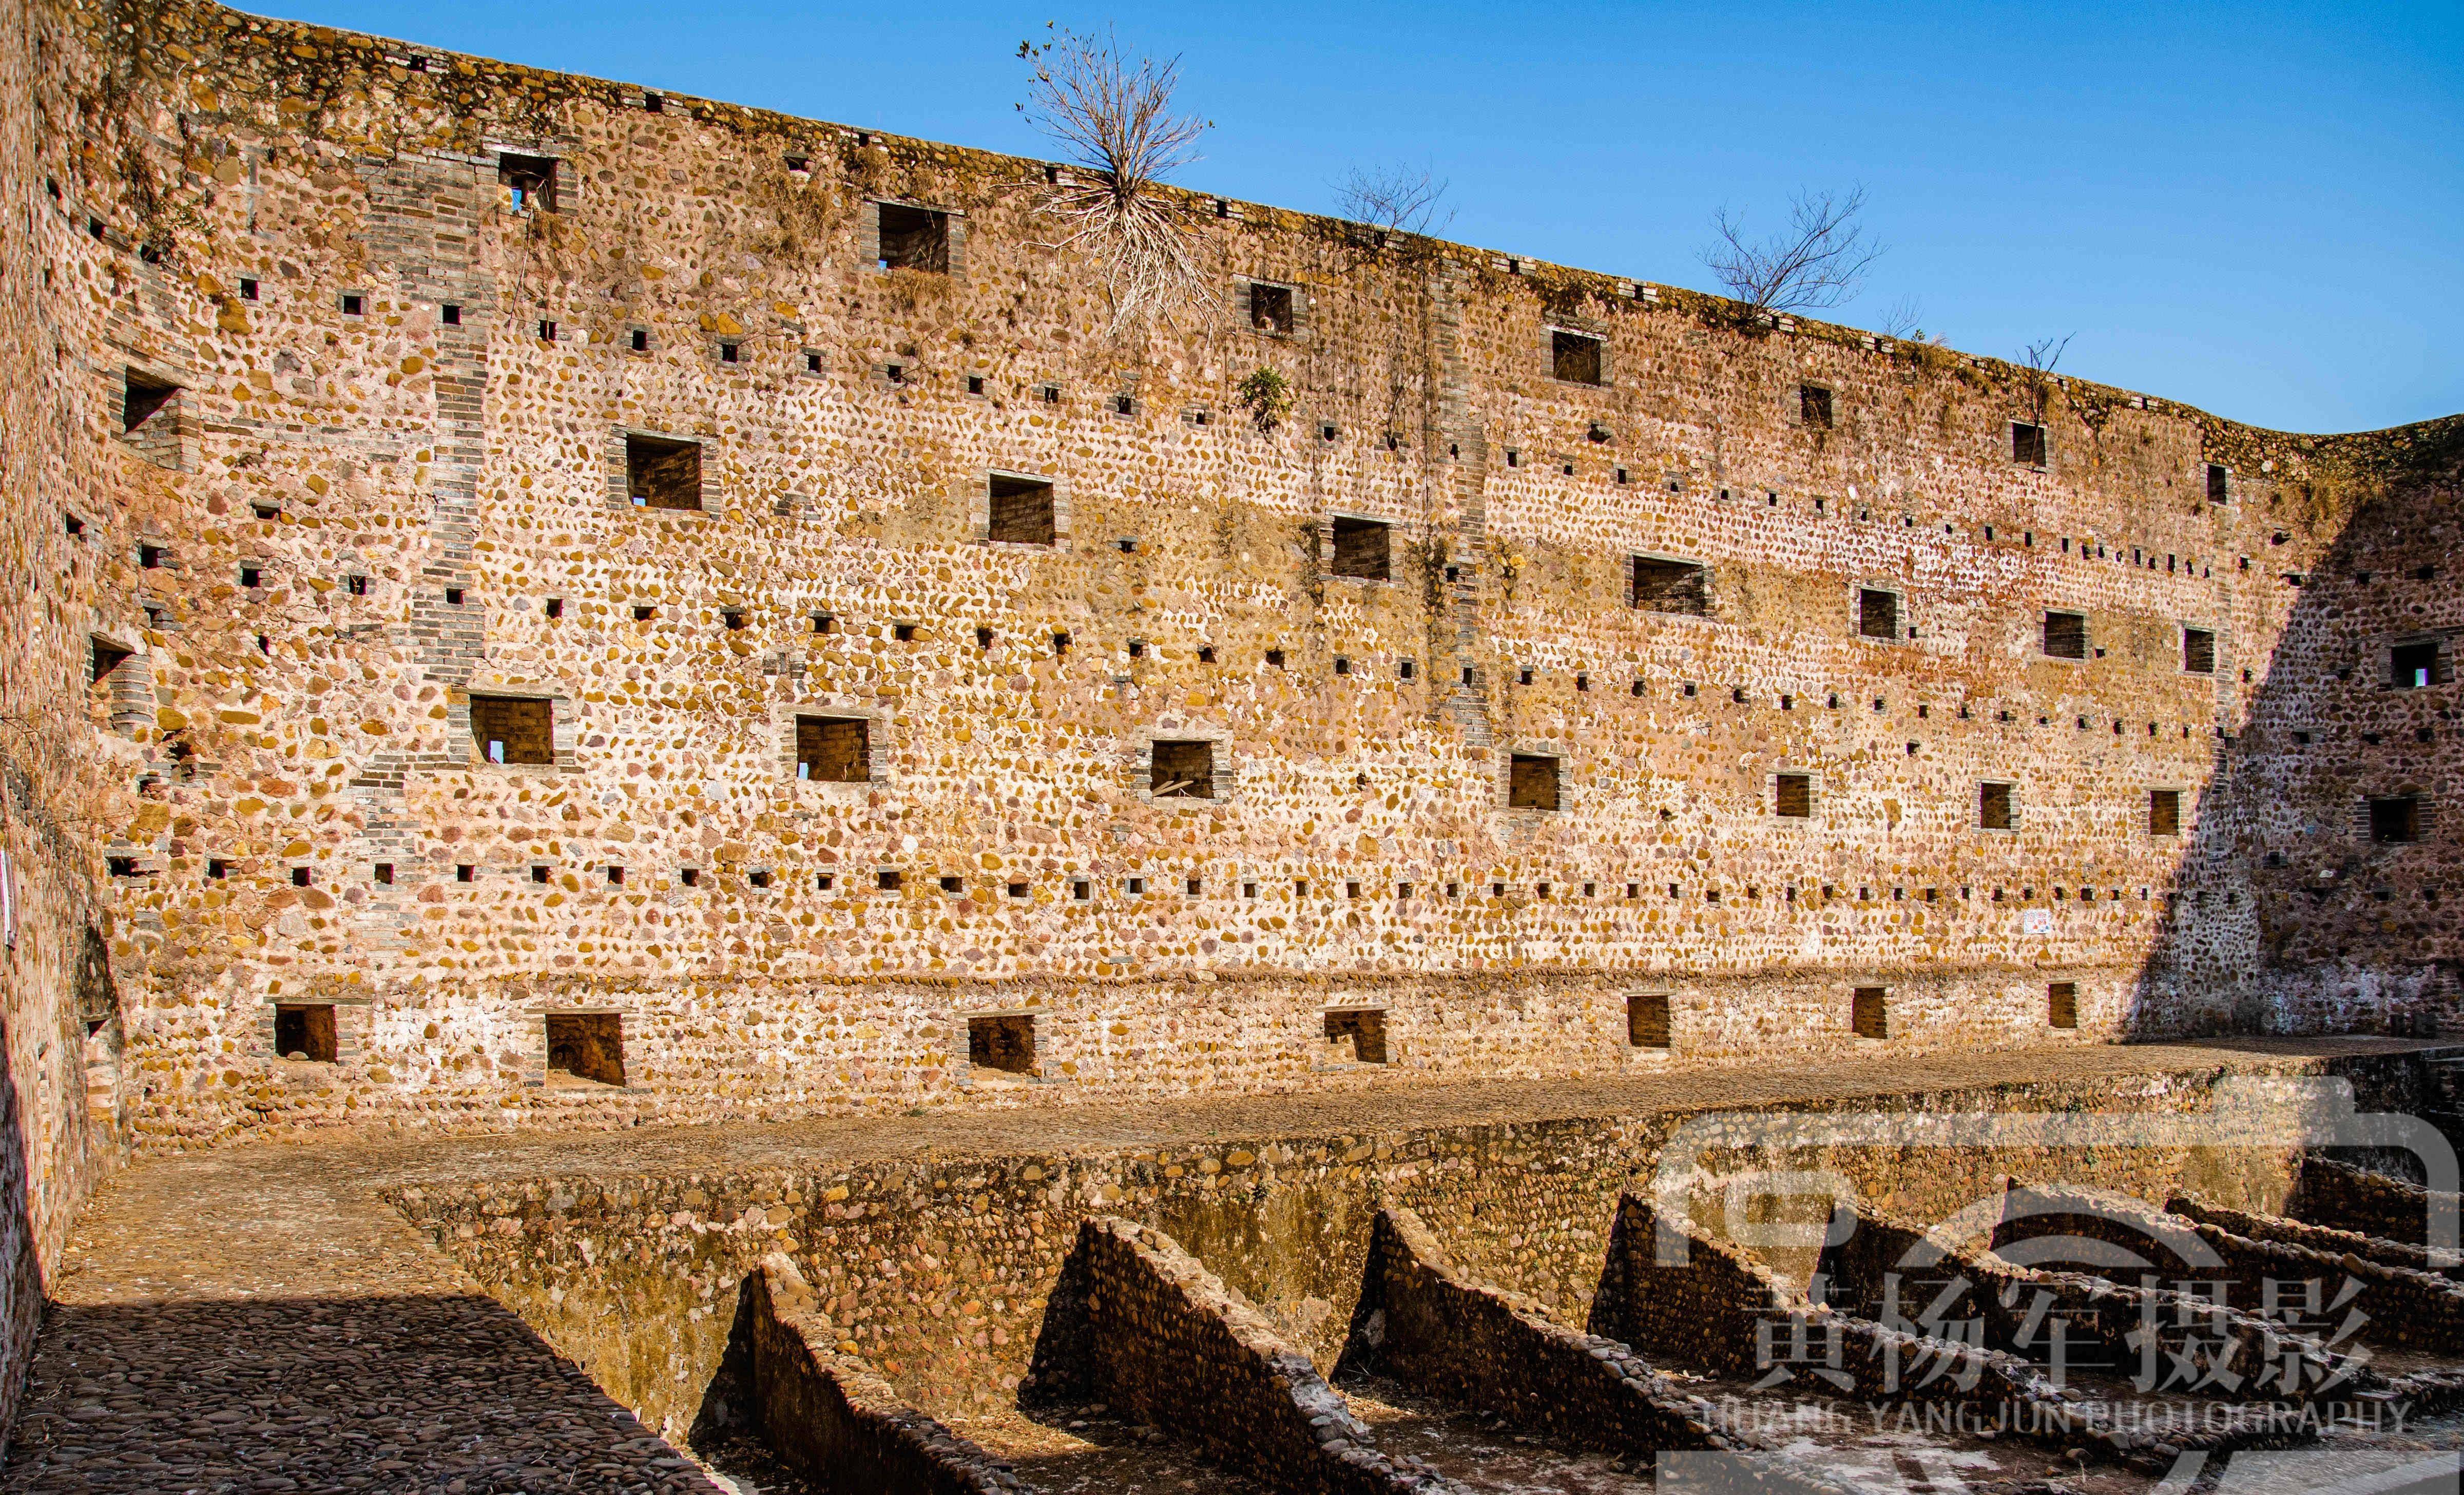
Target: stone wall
pixel 937 1271
pixel 1134 1322
pixel 2161 1339
pixel 367 351
pixel 830 1419
pixel 2370 1301
pixel 1418 1322
pixel 2329 1193
pixel 2319 1238
pixel 66 781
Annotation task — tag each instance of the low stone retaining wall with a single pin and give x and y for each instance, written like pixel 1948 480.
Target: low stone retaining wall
pixel 2344 1198
pixel 1893 1271
pixel 828 1417
pixel 2397 1306
pixel 1423 1323
pixel 935 1267
pixel 2318 1237
pixel 1141 1325
pixel 1700 1315
pixel 1724 1312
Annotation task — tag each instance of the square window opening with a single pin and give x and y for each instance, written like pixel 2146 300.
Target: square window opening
pixel 1363 549
pixel 1993 807
pixel 1270 309
pixel 1869 1012
pixel 2065 635
pixel 1022 511
pixel 1182 770
pixel 1814 405
pixel 834 749
pixel 2062 1004
pixel 1575 358
pixel 589 1045
pixel 1878 613
pixel 1356 1035
pixel 142 398
pixel 530 179
pixel 1793 796
pixel 306 1030
pixel 514 729
pixel 106 659
pixel 2028 442
pixel 2411 666
pixel 2219 483
pixel 2164 813
pixel 1646 1020
pixel 2395 821
pixel 660 473
pixel 2199 651
pixel 914 239
pixel 1679 586
pixel 1532 783
pixel 1005 1042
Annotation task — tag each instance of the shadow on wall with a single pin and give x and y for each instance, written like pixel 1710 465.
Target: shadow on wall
pixel 436 1392
pixel 2317 890
pixel 21 1273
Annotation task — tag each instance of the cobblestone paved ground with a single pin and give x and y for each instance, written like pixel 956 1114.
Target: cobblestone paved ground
pixel 257 1320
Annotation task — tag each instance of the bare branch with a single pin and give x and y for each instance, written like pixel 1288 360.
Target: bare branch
pixel 1113 113
pixel 1905 320
pixel 1394 197
pixel 2044 353
pixel 1818 261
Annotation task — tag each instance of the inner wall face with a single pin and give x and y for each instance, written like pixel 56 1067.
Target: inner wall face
pixel 636 607
pixel 938 1274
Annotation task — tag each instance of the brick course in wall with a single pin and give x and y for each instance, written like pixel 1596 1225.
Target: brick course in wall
pixel 683 428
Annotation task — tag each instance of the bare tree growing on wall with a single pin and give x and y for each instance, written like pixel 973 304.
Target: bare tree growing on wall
pixel 1394 197
pixel 1817 261
pixel 1904 322
pixel 2041 357
pixel 2043 354
pixel 1113 113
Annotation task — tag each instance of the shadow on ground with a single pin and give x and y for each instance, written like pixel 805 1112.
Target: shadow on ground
pixel 448 1393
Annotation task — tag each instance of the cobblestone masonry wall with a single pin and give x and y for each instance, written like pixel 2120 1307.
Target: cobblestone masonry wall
pixel 830 1418
pixel 60 1016
pixel 2329 1193
pixel 1418 1322
pixel 354 340
pixel 937 1270
pixel 1135 1321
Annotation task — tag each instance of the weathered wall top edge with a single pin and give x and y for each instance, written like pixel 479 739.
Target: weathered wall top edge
pixel 269 31
pixel 946 1170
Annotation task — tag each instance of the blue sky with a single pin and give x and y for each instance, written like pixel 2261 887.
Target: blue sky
pixel 2255 208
